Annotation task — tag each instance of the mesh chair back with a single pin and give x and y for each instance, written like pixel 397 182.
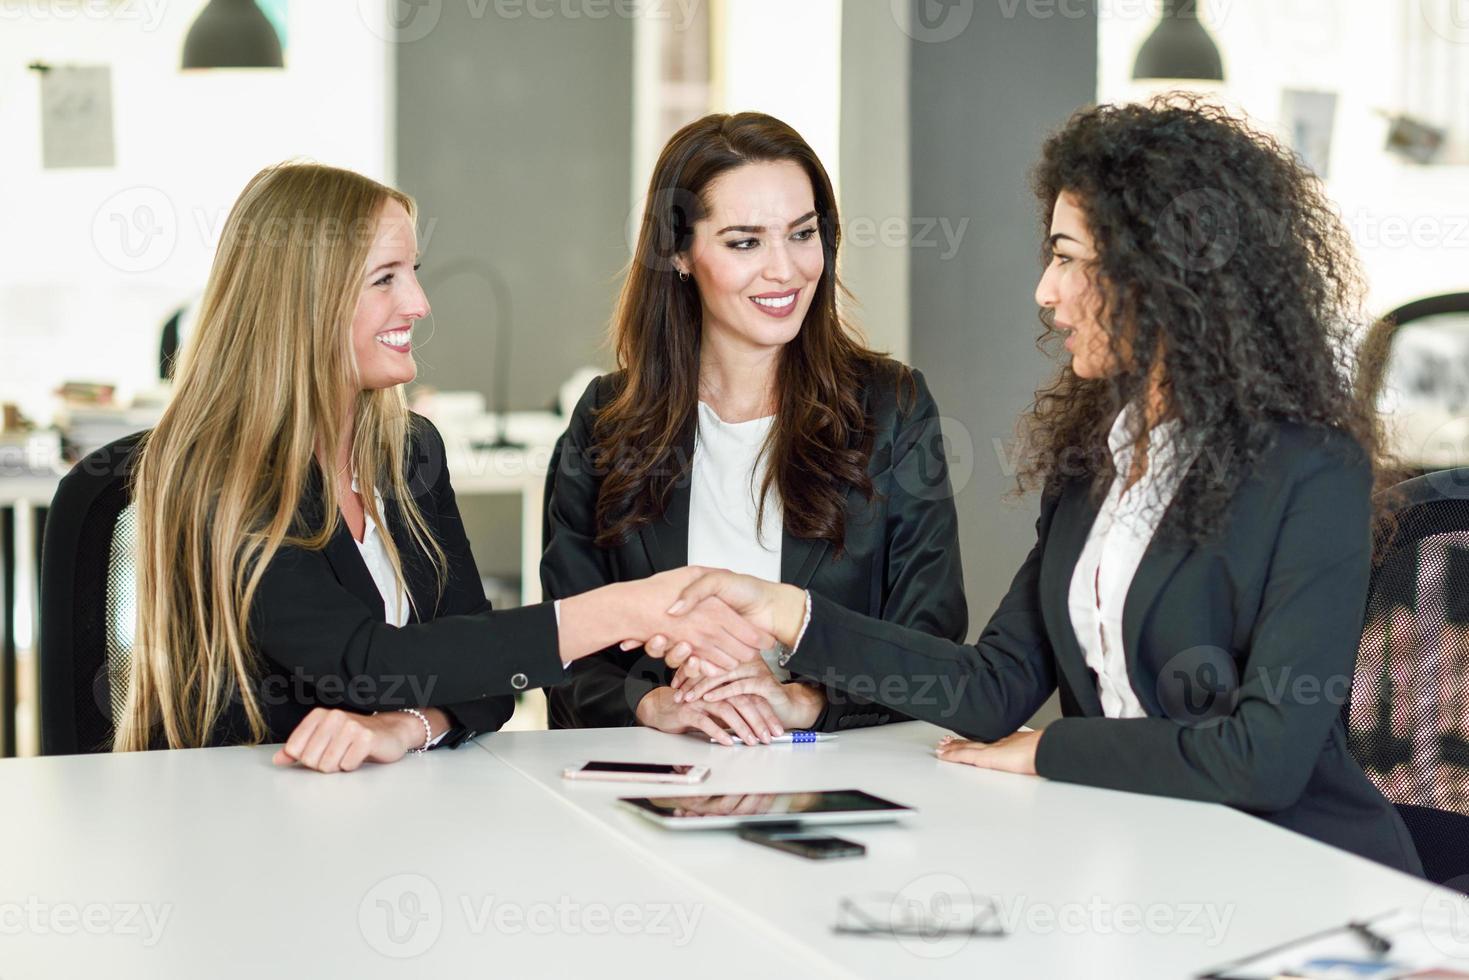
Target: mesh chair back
pixel 1408 718
pixel 88 601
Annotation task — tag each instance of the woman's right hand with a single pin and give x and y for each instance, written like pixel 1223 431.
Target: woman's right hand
pixel 773 607
pixel 748 716
pixel 334 740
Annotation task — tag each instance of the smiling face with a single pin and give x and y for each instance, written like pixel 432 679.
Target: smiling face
pixel 391 299
pixel 1067 289
pixel 756 255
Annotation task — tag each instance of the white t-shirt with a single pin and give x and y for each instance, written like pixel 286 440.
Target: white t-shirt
pixel 724 500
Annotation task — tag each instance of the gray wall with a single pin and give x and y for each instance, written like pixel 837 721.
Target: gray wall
pixel 515 136
pixel 980 104
pixel 874 172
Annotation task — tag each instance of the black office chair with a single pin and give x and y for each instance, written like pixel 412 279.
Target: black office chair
pixel 1408 715
pixel 87 601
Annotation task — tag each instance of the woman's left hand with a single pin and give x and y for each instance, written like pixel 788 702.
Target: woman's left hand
pixel 1013 753
pixel 797 705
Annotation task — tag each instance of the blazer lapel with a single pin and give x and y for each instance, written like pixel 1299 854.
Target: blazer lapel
pixel 1070 525
pixel 1159 563
pixel 666 537
pixel 799 558
pixel 346 561
pixel 417 574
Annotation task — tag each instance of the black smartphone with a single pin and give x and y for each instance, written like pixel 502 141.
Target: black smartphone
pixel 795 839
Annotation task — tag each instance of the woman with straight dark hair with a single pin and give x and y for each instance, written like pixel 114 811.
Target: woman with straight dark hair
pixel 1199 578
pixel 748 425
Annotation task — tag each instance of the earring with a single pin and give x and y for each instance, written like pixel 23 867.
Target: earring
pixel 683 276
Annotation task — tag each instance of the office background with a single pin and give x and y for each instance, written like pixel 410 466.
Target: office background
pixel 527 128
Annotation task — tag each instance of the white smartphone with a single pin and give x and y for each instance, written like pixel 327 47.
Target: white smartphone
pixel 637 772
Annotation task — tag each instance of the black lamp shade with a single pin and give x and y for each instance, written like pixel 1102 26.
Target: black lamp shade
pixel 232 34
pixel 1179 47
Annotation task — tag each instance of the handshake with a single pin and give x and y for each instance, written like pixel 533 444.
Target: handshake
pixel 712 627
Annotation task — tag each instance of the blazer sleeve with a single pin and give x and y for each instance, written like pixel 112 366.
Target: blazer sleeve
pixel 304 620
pixel 603 690
pixel 985 690
pixel 923 578
pixel 464 593
pixel 1261 754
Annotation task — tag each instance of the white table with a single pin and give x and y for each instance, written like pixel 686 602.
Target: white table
pixel 269 870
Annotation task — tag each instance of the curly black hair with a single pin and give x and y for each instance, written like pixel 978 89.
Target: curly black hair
pixel 1219 258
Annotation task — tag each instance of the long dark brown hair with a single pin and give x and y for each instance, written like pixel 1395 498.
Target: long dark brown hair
pixel 1224 270
pixel 820 442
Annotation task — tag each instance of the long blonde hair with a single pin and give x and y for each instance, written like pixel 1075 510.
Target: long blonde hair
pixel 259 394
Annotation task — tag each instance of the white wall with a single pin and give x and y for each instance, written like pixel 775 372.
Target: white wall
pixel 1410 222
pixel 77 299
pixel 783 57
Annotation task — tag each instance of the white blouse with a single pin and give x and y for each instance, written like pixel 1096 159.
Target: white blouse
pixel 1123 530
pixel 375 557
pixel 723 501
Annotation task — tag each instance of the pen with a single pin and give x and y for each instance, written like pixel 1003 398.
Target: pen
pixel 791 737
pixel 1376 942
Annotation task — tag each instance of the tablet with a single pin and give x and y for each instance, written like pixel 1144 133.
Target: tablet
pixel 713 811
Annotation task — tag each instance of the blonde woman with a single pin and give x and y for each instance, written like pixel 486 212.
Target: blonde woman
pixel 303 571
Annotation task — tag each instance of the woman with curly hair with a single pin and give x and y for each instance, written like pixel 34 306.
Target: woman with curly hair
pixel 1197 585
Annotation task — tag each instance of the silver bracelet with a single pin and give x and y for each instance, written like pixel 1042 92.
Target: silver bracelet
pixel 428 730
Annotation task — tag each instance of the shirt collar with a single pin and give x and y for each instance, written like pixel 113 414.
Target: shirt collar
pixel 369 526
pixel 1163 440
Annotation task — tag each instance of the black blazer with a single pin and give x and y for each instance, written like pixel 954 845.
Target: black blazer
pixel 1241 653
pixel 900 562
pixel 320 627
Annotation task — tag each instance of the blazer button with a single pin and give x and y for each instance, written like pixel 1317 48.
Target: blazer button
pixel 519 681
